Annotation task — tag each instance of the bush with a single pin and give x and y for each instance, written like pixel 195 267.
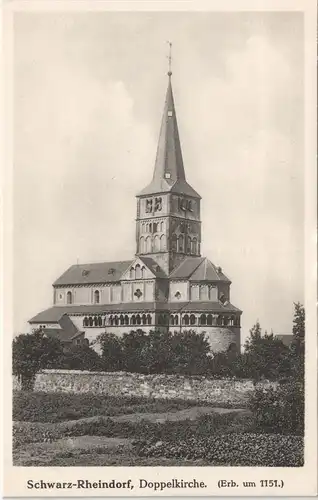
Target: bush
pixel 80 357
pixel 112 352
pixel 58 407
pixel 157 352
pixel 33 433
pixel 173 431
pixel 279 410
pixel 31 353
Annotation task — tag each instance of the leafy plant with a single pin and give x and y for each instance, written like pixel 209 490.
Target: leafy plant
pixel 279 410
pixel 31 353
pixel 241 449
pixel 80 357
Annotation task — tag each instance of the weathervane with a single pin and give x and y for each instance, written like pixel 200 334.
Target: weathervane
pixel 169 58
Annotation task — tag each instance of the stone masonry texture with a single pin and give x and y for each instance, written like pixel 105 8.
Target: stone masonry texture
pixel 200 388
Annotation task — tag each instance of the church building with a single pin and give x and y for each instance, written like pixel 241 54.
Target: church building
pixel 167 284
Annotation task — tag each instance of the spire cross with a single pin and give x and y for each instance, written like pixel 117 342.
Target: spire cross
pixel 169 58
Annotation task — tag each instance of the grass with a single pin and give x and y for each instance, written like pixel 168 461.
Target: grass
pixel 58 407
pixel 55 429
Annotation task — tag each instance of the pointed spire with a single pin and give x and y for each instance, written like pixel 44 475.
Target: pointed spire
pixel 169 162
pixel 169 174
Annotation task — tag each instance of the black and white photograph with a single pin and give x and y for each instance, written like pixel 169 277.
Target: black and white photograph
pixel 159 301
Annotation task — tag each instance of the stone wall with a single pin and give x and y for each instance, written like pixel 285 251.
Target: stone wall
pixel 216 391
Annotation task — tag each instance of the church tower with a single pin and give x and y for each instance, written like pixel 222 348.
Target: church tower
pixel 168 285
pixel 168 226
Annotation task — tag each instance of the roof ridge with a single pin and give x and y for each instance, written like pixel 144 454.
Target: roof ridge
pixel 205 266
pixel 100 262
pixel 194 270
pixel 183 261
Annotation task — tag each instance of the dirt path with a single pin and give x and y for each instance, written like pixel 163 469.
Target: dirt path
pixel 177 415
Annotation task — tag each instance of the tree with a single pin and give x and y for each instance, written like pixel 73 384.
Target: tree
pixel 265 356
pixel 190 352
pixel 297 348
pixel 157 353
pixel 134 352
pixel 31 353
pixel 112 352
pixel 80 357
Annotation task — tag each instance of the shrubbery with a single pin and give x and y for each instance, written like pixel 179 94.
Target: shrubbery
pixel 241 449
pixel 79 357
pixel 157 352
pixel 31 353
pixel 175 431
pixel 58 407
pixel 34 433
pixel 279 410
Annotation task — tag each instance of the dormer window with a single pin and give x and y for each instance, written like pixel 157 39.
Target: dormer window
pixel 167 175
pixel 85 272
pixel 111 270
pixel 177 295
pixel 169 114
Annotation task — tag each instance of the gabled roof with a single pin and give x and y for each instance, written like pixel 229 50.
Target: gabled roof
pixel 100 272
pixel 207 271
pixel 67 331
pixel 198 269
pixel 169 175
pixel 153 266
pixel 61 335
pixel 68 326
pixel 103 272
pixel 186 268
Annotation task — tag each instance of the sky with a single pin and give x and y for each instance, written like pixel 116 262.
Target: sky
pixel 89 91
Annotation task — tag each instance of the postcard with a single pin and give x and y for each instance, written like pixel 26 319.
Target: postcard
pixel 159 222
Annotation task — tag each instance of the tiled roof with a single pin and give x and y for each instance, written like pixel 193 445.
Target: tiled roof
pixel 153 266
pixel 66 333
pixel 186 268
pixel 169 175
pixel 61 335
pixel 203 306
pixel 162 186
pixel 100 272
pixel 198 269
pixel 55 313
pixel 103 272
pixel 68 326
pixel 207 271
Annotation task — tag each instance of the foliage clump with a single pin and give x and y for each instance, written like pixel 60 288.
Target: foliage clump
pixel 184 353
